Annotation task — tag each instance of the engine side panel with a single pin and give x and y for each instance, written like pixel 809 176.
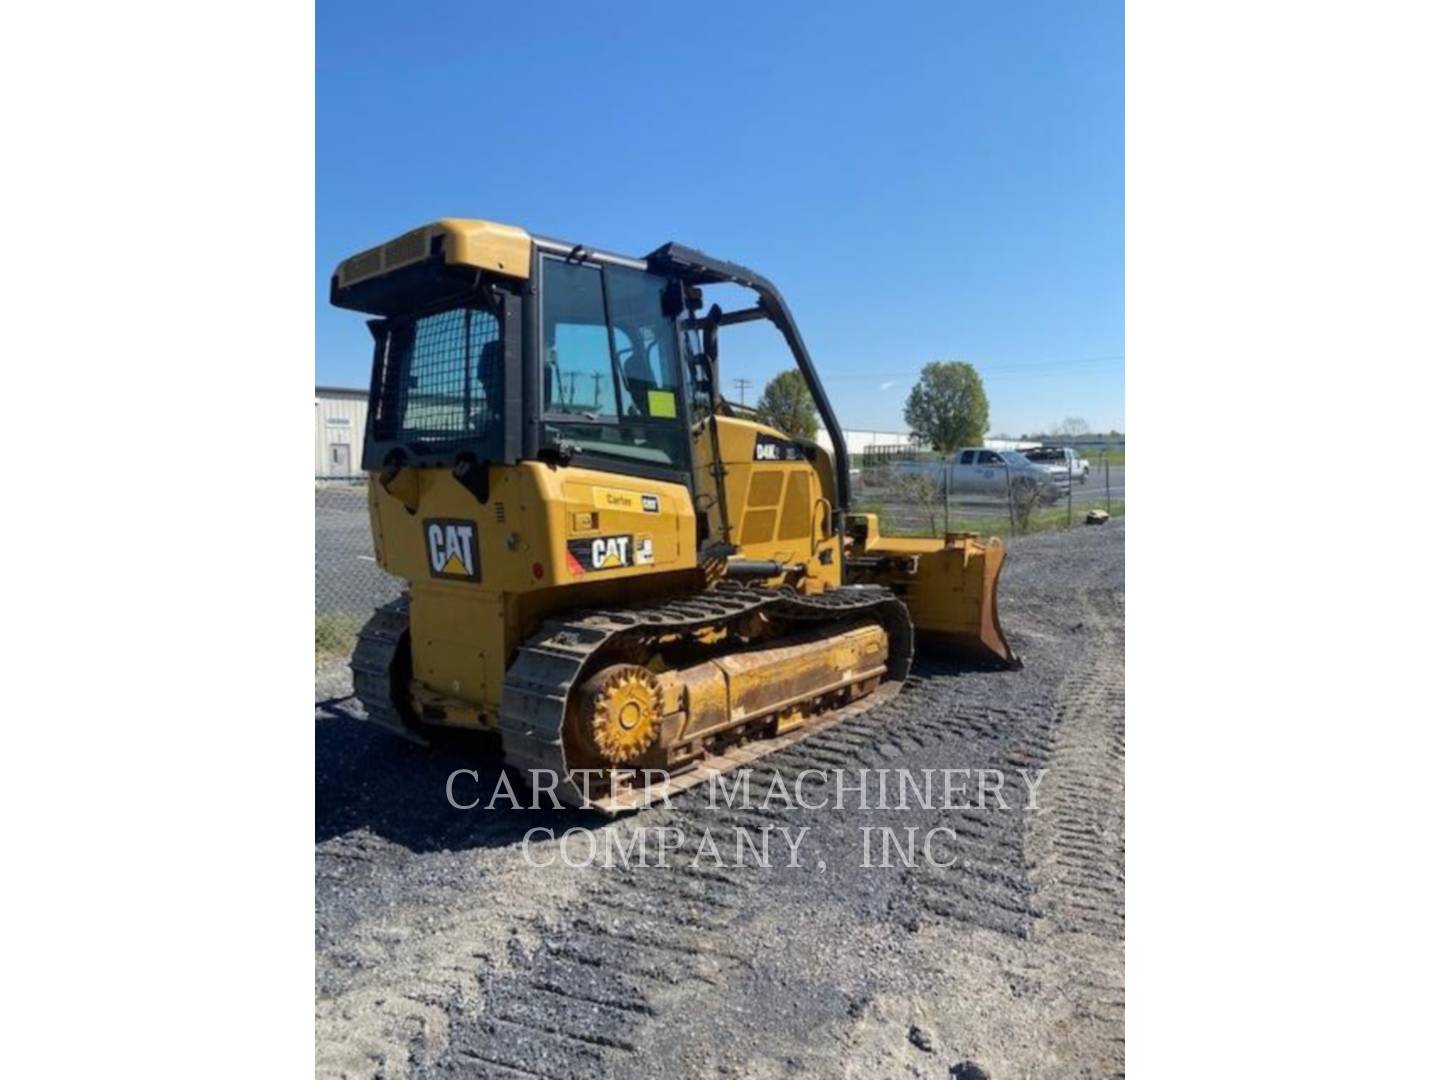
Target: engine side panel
pixel 779 500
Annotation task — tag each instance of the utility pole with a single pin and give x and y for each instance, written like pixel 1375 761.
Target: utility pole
pixel 743 385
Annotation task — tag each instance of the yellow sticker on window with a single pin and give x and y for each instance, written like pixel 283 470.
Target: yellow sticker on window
pixel 662 403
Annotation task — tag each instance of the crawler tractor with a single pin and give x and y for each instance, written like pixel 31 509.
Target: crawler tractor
pixel 618 571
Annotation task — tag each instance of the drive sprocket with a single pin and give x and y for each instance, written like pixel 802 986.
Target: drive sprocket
pixel 623 707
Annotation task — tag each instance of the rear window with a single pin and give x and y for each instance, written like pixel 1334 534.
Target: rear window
pixel 440 381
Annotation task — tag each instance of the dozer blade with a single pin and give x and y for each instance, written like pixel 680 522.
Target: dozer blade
pixel 949 586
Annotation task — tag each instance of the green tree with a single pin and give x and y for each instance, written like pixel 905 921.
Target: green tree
pixel 786 404
pixel 947 407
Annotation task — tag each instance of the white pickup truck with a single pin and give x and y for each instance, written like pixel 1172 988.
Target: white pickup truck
pixel 1061 462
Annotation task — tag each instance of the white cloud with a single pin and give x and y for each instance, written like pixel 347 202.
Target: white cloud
pixel 886 385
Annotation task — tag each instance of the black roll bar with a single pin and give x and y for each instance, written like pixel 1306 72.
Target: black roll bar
pixel 695 267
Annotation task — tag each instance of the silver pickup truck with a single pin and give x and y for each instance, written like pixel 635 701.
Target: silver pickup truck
pixel 1064 462
pixel 978 471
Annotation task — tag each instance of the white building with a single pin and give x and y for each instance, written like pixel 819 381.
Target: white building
pixel 339 430
pixel 857 442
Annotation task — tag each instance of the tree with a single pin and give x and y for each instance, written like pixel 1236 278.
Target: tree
pixel 948 406
pixel 786 404
pixel 1071 425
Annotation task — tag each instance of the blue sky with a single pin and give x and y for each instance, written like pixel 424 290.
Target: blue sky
pixel 924 181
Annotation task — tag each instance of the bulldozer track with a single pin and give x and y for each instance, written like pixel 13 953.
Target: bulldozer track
pixel 373 664
pixel 549 666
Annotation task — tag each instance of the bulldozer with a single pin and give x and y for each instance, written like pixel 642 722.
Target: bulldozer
pixel 633 581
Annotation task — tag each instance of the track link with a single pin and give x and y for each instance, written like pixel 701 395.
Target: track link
pixel 550 665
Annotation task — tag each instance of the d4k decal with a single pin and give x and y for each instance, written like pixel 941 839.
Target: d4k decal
pixel 769 448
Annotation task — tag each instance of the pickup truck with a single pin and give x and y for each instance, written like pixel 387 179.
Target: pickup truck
pixel 975 470
pixel 1063 463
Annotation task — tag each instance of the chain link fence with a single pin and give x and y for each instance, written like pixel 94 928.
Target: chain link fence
pixel 915 493
pixel 348 584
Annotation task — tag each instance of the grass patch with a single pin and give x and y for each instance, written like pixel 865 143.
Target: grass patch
pixel 1053 518
pixel 335 635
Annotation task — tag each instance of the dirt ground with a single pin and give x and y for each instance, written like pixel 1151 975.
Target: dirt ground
pixel 442 951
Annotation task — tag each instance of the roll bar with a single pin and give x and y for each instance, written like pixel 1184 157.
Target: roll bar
pixel 697 268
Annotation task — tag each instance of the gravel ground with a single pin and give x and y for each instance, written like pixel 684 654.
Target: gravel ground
pixel 442 951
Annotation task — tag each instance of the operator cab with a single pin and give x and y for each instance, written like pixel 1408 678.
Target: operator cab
pixel 493 346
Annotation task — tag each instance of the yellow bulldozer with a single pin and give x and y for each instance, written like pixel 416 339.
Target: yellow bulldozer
pixel 633 581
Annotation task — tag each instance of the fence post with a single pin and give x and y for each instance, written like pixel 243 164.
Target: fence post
pixel 1069 498
pixel 1010 499
pixel 947 497
pixel 1106 460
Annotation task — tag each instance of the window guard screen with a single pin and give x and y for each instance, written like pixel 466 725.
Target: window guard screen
pixel 442 380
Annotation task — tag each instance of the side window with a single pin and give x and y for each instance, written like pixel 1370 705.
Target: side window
pixel 967 458
pixel 989 457
pixel 579 377
pixel 610 388
pixel 644 346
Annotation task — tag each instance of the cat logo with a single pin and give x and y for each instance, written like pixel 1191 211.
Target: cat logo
pixel 650 503
pixel 451 547
pixel 601 553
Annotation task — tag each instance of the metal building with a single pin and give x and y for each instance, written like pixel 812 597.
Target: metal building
pixel 339 430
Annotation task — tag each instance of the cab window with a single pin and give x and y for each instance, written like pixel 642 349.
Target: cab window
pixel 440 381
pixel 611 385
